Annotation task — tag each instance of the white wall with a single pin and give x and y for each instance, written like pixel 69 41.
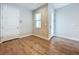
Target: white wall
pixel 0 21
pixel 26 22
pixel 60 5
pixel 67 22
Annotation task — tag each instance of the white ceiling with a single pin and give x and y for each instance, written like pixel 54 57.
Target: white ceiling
pixel 29 6
pixel 60 5
pixel 32 6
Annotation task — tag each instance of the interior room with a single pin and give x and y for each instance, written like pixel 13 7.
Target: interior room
pixel 39 28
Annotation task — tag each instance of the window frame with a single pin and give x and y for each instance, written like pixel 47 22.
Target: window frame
pixel 37 21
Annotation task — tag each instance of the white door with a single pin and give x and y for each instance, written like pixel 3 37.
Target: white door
pixel 10 22
pixel 51 26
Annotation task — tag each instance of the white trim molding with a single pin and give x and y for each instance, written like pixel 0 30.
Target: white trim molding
pixel 41 36
pixel 70 38
pixel 10 38
pixel 21 36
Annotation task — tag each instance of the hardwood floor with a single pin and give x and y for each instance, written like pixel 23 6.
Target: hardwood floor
pixel 33 45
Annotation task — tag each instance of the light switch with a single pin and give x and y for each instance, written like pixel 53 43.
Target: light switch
pixel 20 21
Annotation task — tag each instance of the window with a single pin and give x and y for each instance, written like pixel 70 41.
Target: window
pixel 38 20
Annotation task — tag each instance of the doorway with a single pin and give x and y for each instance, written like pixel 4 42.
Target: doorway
pixel 51 25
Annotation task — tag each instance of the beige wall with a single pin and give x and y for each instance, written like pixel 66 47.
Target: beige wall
pixel 43 31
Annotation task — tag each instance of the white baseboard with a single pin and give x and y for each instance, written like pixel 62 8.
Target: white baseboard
pixel 34 35
pixel 9 38
pixel 21 36
pixel 25 35
pixel 71 38
pixel 41 37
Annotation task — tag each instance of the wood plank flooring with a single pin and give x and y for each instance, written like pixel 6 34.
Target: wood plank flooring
pixel 33 45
